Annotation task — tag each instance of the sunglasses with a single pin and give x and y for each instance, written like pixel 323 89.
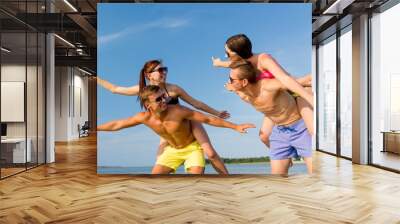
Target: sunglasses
pixel 227 55
pixel 231 79
pixel 163 97
pixel 161 70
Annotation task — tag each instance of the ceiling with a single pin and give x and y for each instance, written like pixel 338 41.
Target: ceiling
pixel 76 22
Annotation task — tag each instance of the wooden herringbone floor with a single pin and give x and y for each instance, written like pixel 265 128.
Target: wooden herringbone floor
pixel 70 191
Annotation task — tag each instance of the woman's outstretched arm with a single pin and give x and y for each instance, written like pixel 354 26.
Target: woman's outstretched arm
pixel 128 91
pixel 217 62
pixel 200 105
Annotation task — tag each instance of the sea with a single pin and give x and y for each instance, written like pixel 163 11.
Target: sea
pixel 237 168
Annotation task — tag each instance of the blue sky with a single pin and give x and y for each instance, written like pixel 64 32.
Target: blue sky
pixel 185 36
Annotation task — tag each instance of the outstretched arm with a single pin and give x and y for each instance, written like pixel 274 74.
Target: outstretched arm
pixel 217 62
pixel 269 63
pixel 214 121
pixel 128 91
pixel 123 123
pixel 200 105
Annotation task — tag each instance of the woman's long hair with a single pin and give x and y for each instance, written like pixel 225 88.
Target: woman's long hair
pixel 147 67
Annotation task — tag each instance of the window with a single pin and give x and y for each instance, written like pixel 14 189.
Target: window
pixel 385 88
pixel 327 95
pixel 346 92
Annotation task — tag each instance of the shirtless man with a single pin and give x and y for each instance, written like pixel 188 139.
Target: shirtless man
pixel 172 122
pixel 289 137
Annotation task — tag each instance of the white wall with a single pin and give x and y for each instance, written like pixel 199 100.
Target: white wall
pixel 34 124
pixel 14 73
pixel 61 103
pixel 71 87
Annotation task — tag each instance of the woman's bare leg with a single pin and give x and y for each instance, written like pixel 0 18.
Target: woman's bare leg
pixel 161 146
pixel 307 113
pixel 266 130
pixel 201 136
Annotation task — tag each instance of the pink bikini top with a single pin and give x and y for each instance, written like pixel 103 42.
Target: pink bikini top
pixel 265 75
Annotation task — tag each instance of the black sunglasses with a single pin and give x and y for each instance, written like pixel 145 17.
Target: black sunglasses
pixel 163 97
pixel 227 54
pixel 231 79
pixel 161 70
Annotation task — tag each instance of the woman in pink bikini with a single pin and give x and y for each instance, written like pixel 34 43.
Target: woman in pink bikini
pixel 239 47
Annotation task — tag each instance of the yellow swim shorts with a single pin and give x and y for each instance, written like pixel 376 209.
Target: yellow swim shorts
pixel 191 155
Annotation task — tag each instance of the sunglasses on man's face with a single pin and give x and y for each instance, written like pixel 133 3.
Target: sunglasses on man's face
pixel 161 70
pixel 232 79
pixel 161 98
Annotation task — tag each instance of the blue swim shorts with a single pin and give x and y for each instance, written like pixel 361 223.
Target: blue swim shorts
pixel 290 141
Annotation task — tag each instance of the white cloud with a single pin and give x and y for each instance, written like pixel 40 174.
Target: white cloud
pixel 165 23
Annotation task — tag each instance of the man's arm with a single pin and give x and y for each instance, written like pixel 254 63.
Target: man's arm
pixel 211 120
pixel 123 123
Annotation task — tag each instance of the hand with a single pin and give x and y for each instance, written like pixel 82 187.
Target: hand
pixel 242 127
pixel 217 62
pixel 228 86
pixel 100 81
pixel 224 114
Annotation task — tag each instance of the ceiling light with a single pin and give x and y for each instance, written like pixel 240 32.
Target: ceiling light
pixel 65 41
pixel 70 5
pixel 5 50
pixel 84 71
pixel 338 6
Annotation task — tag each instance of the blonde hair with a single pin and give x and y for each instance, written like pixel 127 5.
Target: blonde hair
pixel 146 92
pixel 246 70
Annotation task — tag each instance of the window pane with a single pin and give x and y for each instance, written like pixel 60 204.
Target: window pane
pixel 31 97
pixel 13 87
pixel 327 95
pixel 346 93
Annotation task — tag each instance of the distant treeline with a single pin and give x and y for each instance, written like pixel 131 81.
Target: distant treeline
pixel 247 160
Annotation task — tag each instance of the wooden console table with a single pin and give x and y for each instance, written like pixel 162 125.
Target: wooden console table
pixel 14 149
pixel 391 141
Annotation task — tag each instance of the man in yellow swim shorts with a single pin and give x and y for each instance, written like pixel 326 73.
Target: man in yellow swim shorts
pixel 173 123
pixel 192 156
